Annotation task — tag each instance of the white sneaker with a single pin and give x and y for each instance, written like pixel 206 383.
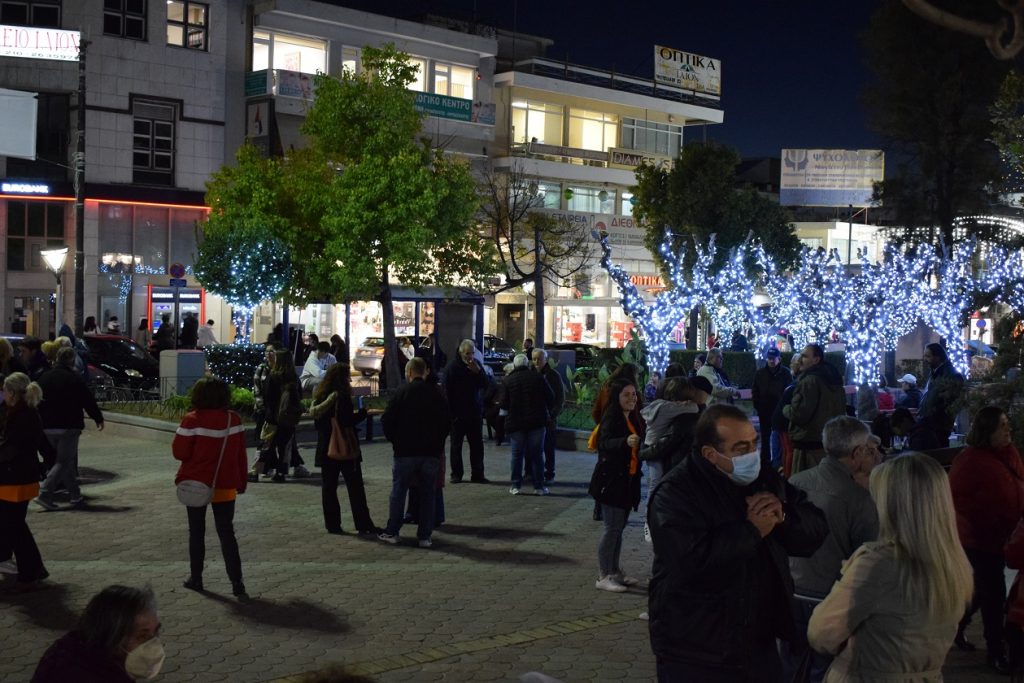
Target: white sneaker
pixel 608 583
pixel 8 567
pixel 645 616
pixel 514 491
pixel 426 543
pixel 647 532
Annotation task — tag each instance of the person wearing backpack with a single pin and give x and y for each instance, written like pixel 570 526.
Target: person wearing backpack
pixel 283 406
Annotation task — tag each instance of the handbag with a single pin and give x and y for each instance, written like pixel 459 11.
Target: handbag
pixel 268 432
pixel 196 494
pixel 343 444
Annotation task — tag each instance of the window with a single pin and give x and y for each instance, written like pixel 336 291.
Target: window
pixel 454 81
pixel 153 142
pixel 288 53
pixel 592 199
pixel 41 13
pixel 32 227
pixel 550 195
pixel 647 136
pixel 592 130
pixel 186 24
pixel 350 58
pixel 627 204
pixel 536 120
pixel 420 83
pixel 125 18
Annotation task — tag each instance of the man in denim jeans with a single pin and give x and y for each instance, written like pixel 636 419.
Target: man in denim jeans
pixel 416 422
pixel 529 401
pixel 65 396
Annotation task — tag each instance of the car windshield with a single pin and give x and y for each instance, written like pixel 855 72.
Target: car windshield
pixel 373 341
pixel 498 344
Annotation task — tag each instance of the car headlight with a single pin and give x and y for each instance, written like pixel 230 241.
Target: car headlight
pixel 131 372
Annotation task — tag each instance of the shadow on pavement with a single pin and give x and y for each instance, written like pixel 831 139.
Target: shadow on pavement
pixel 98 507
pixel 294 614
pixel 500 555
pixel 492 531
pixel 90 475
pixel 45 607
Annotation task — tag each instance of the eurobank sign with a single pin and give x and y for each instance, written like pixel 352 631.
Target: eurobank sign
pixel 39 43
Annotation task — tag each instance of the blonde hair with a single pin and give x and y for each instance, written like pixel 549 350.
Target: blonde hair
pixel 19 384
pixel 915 514
pixel 49 350
pixel 63 342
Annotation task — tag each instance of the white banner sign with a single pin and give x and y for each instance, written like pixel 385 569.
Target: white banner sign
pixel 18 132
pixel 830 177
pixel 687 70
pixel 39 43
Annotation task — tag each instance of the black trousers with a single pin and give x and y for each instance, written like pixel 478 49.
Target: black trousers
pixel 280 450
pixel 762 666
pixel 470 429
pixel 989 597
pixel 766 437
pixel 16 539
pixel 550 436
pixel 223 520
pixel 353 472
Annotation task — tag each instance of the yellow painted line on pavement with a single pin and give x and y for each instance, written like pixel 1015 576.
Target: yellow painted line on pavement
pixel 437 653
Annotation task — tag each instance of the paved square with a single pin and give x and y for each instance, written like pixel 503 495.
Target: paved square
pixel 508 587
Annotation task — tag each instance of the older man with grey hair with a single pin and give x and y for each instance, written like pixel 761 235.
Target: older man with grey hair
pixel 838 486
pixel 464 384
pixel 722 390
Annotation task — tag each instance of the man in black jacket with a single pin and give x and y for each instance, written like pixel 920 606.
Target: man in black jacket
pixel 527 400
pixel 464 383
pixel 769 384
pixel 540 363
pixel 722 528
pixel 65 397
pixel 416 423
pixel 944 387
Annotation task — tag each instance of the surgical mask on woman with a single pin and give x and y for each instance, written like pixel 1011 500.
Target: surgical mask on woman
pixel 145 661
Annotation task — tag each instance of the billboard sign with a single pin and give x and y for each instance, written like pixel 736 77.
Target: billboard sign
pixel 39 43
pixel 830 177
pixel 687 70
pixel 444 107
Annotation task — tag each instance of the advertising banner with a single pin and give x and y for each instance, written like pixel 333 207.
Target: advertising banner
pixel 18 133
pixel 444 107
pixel 830 177
pixel 631 158
pixel 687 70
pixel 39 43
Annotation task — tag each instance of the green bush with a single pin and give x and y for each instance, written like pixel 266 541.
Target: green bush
pixel 235 363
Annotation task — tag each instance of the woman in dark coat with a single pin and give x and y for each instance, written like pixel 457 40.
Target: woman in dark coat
pixel 21 433
pixel 615 483
pixel 283 407
pixel 333 398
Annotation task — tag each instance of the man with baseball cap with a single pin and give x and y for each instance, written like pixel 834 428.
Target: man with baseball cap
pixel 766 392
pixel 911 397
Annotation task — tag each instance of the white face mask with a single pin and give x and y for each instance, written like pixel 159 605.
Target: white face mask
pixel 144 662
pixel 745 468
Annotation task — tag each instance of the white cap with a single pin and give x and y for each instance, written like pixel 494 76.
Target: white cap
pixel 909 379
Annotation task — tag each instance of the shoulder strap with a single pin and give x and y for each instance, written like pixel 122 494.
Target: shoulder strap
pixel 223 445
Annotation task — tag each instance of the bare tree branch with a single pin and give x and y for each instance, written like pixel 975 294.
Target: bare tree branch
pixel 1003 41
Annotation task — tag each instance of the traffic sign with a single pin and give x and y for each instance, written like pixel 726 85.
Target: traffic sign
pixel 176 282
pixel 177 270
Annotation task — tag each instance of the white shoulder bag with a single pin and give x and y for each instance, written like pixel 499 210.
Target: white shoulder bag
pixel 196 494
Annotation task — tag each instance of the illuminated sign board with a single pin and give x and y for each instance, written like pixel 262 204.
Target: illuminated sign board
pixel 39 43
pixel 22 187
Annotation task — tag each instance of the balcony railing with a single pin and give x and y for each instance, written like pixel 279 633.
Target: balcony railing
pixel 609 79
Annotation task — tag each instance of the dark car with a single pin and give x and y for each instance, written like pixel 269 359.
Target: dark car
pixel 586 354
pixel 127 363
pixel 99 381
pixel 497 353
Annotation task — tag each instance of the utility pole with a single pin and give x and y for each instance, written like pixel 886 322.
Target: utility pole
pixel 79 317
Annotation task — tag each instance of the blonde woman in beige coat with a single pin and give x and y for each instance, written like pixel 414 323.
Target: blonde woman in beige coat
pixel 892 616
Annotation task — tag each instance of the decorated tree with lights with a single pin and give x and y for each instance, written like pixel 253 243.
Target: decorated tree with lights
pixel 806 301
pixel 729 301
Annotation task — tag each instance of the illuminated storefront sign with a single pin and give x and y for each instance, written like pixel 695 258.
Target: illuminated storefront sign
pixel 22 187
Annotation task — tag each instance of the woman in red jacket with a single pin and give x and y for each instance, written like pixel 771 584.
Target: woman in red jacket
pixel 198 442
pixel 987 480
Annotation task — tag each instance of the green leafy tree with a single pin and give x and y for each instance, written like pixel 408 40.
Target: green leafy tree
pixel 930 102
pixel 376 203
pixel 1008 122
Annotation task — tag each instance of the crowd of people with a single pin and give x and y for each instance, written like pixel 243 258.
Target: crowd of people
pixel 786 548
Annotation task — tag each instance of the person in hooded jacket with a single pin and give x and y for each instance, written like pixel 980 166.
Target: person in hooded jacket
pixel 723 528
pixel 819 395
pixel 528 399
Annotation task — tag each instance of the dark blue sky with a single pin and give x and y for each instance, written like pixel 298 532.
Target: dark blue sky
pixel 792 70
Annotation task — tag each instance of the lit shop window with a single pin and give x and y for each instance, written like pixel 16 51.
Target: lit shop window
pixel 533 120
pixel 420 82
pixel 592 199
pixel 592 130
pixel 454 81
pixel 288 53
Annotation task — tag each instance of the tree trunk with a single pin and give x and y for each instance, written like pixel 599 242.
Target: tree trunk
pixel 390 368
pixel 538 291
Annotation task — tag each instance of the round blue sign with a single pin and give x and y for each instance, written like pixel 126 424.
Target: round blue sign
pixel 177 270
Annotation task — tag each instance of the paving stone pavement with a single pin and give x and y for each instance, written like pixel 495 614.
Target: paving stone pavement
pixel 507 588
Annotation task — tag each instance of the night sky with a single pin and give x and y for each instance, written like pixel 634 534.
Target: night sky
pixel 792 71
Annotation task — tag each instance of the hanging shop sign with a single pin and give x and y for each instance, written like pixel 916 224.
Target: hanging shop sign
pixel 28 42
pixel 444 107
pixel 631 158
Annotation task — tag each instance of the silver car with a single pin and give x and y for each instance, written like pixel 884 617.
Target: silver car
pixel 369 356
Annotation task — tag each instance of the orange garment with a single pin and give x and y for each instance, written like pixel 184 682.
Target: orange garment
pixel 19 493
pixel 634 452
pixel 224 495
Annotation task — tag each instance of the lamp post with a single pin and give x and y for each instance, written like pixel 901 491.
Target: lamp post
pixel 55 259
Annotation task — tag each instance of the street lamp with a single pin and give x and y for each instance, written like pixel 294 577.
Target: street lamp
pixel 55 259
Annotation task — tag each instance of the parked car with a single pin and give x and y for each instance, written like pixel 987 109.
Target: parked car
pixel 586 354
pixel 99 381
pixel 497 353
pixel 369 356
pixel 127 363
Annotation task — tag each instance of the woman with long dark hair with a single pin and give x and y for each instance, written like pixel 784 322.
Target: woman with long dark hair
pixel 210 443
pixel 22 438
pixel 283 407
pixel 333 398
pixel 987 479
pixel 615 483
